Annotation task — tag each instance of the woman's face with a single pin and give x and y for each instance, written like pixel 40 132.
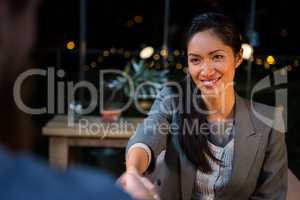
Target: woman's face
pixel 211 63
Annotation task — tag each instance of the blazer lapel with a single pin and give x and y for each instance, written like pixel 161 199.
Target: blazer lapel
pixel 246 143
pixel 187 175
pixel 187 171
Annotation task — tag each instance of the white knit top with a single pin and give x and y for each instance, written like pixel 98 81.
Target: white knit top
pixel 207 186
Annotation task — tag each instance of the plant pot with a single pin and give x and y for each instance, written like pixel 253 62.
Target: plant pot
pixel 110 115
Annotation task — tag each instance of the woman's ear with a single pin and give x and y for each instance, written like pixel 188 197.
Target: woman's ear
pixel 239 58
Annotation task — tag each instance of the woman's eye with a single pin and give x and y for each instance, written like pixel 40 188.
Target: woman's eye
pixel 218 57
pixel 195 60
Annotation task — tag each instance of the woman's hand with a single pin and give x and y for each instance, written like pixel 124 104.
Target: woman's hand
pixel 137 186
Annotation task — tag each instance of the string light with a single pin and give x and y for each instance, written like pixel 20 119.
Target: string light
pixel 113 50
pixel 164 52
pixel 146 52
pixel 176 52
pixel 130 23
pixel 149 52
pixel 247 51
pixel 120 51
pixel 178 66
pixel 138 19
pixel 93 64
pixel 71 45
pixel 259 61
pixel 270 60
pixel 106 53
pixel 156 57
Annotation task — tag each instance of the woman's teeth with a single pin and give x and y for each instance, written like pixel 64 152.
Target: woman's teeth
pixel 211 82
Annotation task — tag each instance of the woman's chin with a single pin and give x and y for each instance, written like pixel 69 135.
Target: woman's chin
pixel 212 90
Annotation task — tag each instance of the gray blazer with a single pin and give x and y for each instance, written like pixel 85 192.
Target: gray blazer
pixel 260 158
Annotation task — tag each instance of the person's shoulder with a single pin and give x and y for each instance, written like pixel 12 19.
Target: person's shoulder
pixel 96 183
pixel 28 175
pixel 266 115
pixel 264 108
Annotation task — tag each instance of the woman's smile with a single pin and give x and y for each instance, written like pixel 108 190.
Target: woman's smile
pixel 211 83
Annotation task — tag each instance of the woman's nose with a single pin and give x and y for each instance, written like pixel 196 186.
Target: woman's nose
pixel 207 71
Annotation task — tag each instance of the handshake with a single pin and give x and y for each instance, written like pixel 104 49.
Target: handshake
pixel 137 186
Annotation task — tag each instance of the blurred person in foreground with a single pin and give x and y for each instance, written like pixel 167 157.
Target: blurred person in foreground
pixel 22 176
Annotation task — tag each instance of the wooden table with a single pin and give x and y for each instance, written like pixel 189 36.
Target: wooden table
pixel 90 131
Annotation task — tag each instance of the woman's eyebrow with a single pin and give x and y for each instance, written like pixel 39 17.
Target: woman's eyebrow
pixel 193 54
pixel 212 52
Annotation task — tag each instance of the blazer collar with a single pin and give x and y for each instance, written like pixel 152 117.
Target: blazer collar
pixel 246 143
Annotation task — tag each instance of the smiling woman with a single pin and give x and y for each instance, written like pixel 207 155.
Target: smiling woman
pixel 214 52
pixel 237 152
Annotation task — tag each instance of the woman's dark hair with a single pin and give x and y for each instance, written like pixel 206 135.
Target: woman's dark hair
pixel 194 140
pixel 193 137
pixel 220 25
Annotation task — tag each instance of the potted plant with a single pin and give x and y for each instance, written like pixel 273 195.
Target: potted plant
pixel 148 82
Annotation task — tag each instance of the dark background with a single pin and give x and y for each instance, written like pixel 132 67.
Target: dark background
pixel 276 22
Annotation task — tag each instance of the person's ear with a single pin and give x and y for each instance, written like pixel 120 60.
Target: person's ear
pixel 239 58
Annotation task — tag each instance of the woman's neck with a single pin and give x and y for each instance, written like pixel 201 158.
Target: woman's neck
pixel 220 106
